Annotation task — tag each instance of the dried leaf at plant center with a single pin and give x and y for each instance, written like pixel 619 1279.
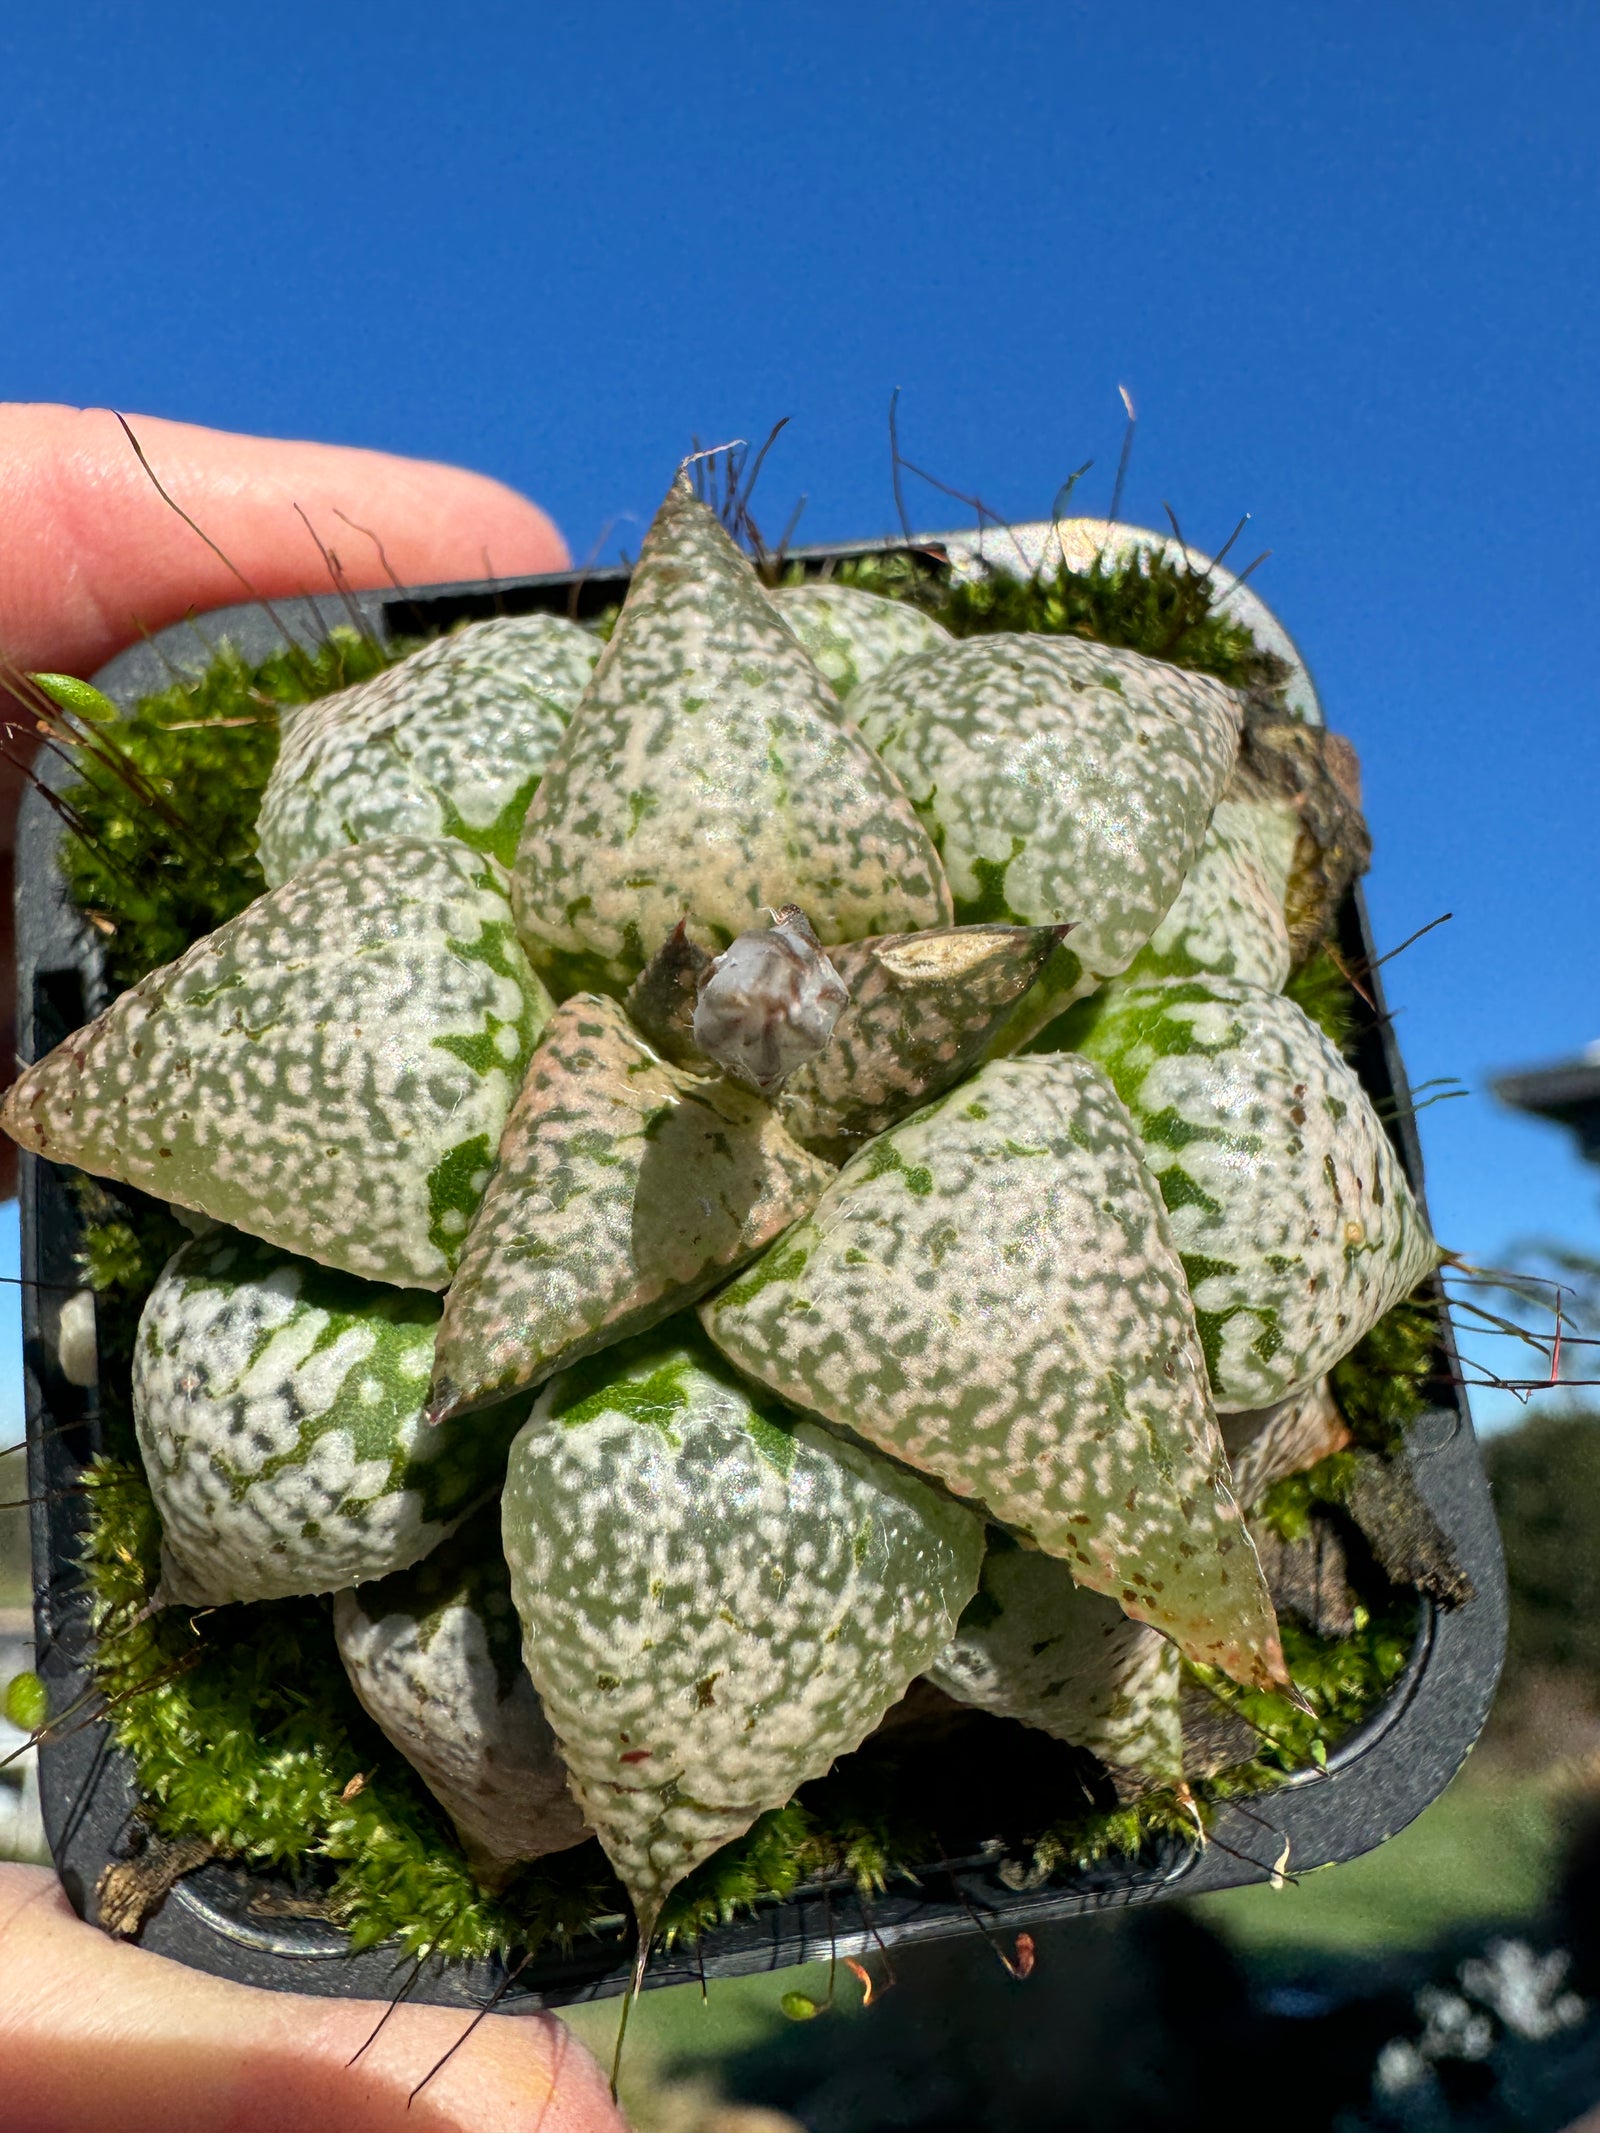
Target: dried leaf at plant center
pixel 923 1009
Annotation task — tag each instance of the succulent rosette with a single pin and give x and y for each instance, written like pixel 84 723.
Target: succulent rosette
pixel 839 1072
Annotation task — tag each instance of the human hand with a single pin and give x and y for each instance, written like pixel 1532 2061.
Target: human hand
pixel 91 557
pixel 92 2032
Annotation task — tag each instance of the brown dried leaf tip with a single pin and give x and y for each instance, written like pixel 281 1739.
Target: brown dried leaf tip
pixel 769 1002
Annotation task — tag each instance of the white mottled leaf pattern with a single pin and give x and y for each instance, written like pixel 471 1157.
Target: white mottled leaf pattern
pixel 450 742
pixel 1037 1647
pixel 1229 915
pixel 851 635
pixel 330 1070
pixel 1297 1227
pixel 625 1188
pixel 435 1655
pixel 990 1293
pixel 279 1407
pixel 717 1598
pixel 1063 781
pixel 709 773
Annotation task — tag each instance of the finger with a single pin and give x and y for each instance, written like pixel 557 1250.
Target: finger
pixel 94 2033
pixel 94 557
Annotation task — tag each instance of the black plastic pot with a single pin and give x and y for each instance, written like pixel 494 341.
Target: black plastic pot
pixel 1375 1782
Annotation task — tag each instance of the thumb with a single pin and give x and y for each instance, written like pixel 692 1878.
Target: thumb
pixel 94 2033
pixel 94 557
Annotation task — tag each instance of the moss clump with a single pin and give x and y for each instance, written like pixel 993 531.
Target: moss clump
pixel 157 876
pixel 1287 1506
pixel 1149 603
pixel 1342 1679
pixel 246 1732
pixel 240 1720
pixel 1390 1379
pixel 127 1240
pixel 1322 992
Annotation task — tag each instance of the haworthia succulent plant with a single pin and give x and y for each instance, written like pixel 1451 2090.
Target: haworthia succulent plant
pixel 1062 780
pixel 707 772
pixel 851 635
pixel 279 1407
pixel 1035 1646
pixel 625 1188
pixel 923 1008
pixel 990 1293
pixel 717 1598
pixel 448 743
pixel 330 1070
pixel 1266 1444
pixel 1297 1227
pixel 435 1655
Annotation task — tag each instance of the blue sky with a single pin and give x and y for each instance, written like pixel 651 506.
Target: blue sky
pixel 1344 259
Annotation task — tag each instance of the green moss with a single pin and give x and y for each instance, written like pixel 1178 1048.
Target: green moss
pixel 1320 989
pixel 1287 1506
pixel 1150 604
pixel 240 1719
pixel 1342 1680
pixel 1391 1378
pixel 168 799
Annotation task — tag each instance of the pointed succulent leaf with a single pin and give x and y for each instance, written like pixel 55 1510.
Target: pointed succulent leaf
pixel 330 1070
pixel 990 1293
pixel 769 1002
pixel 448 743
pixel 717 1598
pixel 707 772
pixel 279 1407
pixel 435 1655
pixel 1062 780
pixel 1037 1647
pixel 625 1188
pixel 1297 1227
pixel 851 635
pixel 1266 1444
pixel 923 1008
